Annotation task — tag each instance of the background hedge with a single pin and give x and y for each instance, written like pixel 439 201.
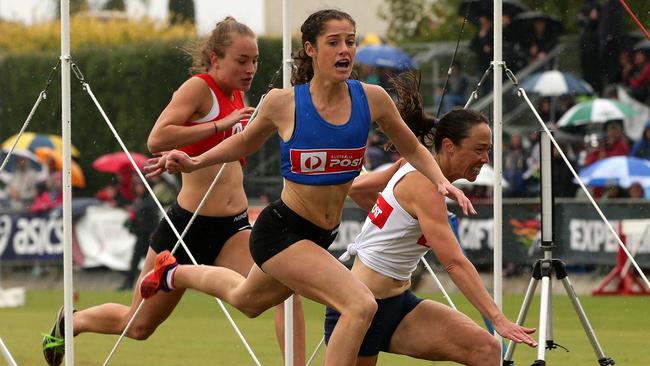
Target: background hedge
pixel 132 83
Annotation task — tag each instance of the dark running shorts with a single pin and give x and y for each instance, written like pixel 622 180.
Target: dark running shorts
pixel 206 236
pixel 278 227
pixel 390 313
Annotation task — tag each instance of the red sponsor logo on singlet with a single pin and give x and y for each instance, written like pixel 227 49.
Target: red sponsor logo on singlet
pixel 326 161
pixel 422 241
pixel 380 212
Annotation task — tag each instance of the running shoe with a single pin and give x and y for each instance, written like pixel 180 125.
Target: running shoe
pixel 156 280
pixel 54 342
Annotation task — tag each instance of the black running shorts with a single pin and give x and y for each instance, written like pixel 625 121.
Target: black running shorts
pixel 205 238
pixel 278 227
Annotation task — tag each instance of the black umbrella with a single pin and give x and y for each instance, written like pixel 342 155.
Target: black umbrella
pixel 485 7
pixel 523 22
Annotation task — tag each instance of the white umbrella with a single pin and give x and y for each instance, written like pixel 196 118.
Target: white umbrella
pixel 554 83
pixel 484 178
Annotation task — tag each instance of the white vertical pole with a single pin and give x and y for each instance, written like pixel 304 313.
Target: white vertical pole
pixel 286 82
pixel 497 146
pixel 67 181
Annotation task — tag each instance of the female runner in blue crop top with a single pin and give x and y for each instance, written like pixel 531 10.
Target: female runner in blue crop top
pixel 320 157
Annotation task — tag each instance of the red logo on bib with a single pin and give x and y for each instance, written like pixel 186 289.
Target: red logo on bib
pixel 380 212
pixel 326 161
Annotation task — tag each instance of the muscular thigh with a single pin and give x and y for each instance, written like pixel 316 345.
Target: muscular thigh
pixel 235 253
pixel 313 272
pixel 434 331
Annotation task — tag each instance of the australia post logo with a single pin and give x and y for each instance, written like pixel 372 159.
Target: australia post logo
pixel 380 212
pixel 326 161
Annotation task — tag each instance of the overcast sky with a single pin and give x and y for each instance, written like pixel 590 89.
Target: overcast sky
pixel 208 12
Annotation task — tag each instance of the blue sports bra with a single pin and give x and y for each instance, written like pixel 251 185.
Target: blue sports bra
pixel 320 153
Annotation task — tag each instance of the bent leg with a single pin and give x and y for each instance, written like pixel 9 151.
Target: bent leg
pixel 236 256
pixel 436 332
pixel 111 318
pixel 314 273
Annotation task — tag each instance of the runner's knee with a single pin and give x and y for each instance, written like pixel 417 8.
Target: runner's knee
pixel 141 332
pixel 485 348
pixel 362 307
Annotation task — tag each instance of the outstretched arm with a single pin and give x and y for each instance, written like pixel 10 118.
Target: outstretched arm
pixel 431 212
pixel 383 111
pixel 234 147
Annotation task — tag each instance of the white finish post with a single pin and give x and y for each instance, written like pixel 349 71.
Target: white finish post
pixel 286 82
pixel 497 148
pixel 67 181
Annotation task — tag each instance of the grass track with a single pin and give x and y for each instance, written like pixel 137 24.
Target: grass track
pixel 198 334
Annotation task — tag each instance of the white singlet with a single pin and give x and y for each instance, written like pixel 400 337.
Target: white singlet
pixel 390 241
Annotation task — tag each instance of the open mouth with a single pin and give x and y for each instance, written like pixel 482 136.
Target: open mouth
pixel 342 64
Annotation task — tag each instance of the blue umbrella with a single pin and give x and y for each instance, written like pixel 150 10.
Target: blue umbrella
pixel 384 56
pixel 617 170
pixel 554 83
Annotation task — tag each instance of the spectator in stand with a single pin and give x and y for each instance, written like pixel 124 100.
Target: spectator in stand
pixel 588 18
pixel 562 178
pixel 627 67
pixel 540 42
pixel 481 45
pixel 641 148
pixel 639 82
pixel 636 191
pixel 50 195
pixel 144 219
pixel 514 166
pixel 610 40
pixel 22 186
pixel 615 143
pixel 165 187
pixel 456 88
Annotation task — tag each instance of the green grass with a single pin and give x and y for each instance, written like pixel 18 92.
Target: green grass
pixel 197 333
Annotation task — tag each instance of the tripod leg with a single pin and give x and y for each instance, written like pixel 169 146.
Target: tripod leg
pixel 549 324
pixel 543 320
pixel 602 359
pixel 521 318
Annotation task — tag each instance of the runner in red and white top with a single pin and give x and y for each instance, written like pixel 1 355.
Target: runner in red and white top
pixel 407 219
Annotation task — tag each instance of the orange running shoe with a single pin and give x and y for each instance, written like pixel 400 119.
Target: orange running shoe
pixel 156 280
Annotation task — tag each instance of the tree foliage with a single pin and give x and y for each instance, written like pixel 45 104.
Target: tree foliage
pixel 181 11
pixel 430 20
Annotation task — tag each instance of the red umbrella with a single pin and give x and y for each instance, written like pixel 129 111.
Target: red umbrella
pixel 118 162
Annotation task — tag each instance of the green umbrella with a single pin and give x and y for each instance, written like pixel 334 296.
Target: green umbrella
pixel 595 111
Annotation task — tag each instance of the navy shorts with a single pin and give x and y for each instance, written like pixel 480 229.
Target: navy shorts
pixel 390 313
pixel 278 227
pixel 205 238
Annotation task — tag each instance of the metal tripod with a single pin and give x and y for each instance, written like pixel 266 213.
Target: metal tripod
pixel 543 269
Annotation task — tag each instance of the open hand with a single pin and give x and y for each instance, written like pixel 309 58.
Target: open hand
pixel 155 166
pixel 447 189
pixel 515 333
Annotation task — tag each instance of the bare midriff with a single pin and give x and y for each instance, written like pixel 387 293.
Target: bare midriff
pixel 381 286
pixel 227 197
pixel 320 205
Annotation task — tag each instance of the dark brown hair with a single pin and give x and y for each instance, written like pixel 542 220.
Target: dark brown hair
pixel 313 27
pixel 454 125
pixel 220 39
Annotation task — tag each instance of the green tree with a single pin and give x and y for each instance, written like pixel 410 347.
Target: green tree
pixel 114 5
pixel 75 7
pixel 181 11
pixel 429 20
